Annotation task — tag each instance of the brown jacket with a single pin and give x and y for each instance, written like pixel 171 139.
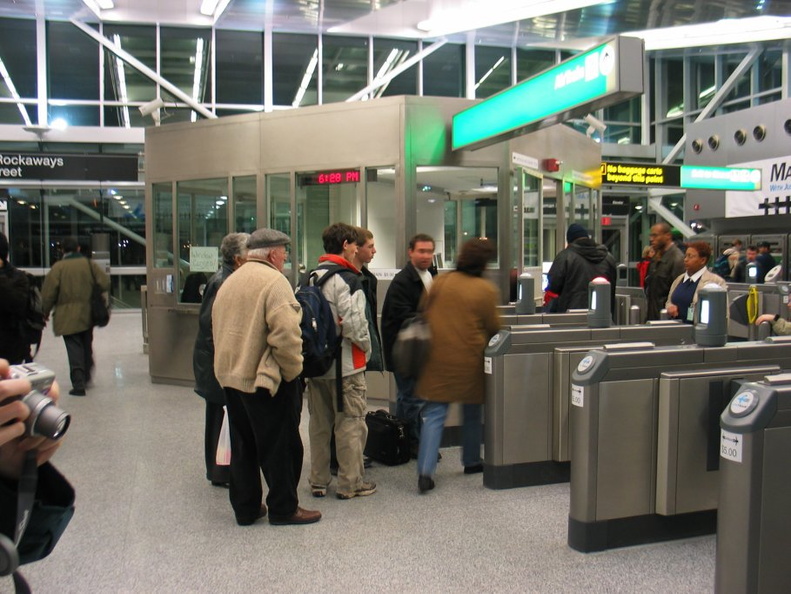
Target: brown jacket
pixel 68 288
pixel 462 313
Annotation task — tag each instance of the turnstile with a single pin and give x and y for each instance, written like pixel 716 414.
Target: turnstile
pixel 754 523
pixel 521 410
pixel 615 417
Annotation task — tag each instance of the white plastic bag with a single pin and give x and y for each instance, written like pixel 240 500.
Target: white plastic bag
pixel 223 457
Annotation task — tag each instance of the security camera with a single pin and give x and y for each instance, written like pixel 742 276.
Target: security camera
pixel 152 107
pixel 595 123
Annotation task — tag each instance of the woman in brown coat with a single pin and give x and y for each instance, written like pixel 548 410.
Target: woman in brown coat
pixel 461 310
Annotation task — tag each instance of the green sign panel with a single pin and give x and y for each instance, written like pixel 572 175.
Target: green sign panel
pixel 607 74
pixel 720 178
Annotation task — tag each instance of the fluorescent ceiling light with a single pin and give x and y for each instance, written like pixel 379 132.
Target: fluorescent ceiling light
pixel 197 77
pixel 724 32
pixel 213 7
pixel 14 93
pixel 97 6
pixel 303 86
pixel 123 95
pixel 468 15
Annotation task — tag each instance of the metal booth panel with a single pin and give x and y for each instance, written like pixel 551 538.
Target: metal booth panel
pixel 171 333
pixel 626 482
pixel 688 436
pixel 527 419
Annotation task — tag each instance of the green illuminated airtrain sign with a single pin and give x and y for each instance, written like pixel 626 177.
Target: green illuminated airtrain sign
pixel 607 74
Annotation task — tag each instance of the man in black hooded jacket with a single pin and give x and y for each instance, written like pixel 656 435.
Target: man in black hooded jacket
pixel 576 266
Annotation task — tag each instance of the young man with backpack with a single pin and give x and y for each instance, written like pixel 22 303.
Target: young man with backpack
pixel 342 414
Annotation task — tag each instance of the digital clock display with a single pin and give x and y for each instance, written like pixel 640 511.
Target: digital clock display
pixel 325 178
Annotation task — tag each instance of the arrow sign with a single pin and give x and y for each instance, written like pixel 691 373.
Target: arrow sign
pixel 730 446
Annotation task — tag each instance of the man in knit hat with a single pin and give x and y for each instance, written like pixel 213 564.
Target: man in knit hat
pixel 257 361
pixel 577 265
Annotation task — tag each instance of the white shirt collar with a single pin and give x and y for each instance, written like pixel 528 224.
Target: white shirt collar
pixel 695 277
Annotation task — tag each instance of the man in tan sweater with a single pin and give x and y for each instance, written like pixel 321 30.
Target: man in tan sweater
pixel 257 361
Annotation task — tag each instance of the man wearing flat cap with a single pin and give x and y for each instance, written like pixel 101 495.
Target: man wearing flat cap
pixel 257 361
pixel 576 266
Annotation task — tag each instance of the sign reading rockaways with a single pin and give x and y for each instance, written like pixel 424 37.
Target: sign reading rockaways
pixel 640 174
pixel 44 166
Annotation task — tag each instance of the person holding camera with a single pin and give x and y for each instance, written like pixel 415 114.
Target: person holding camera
pixel 54 496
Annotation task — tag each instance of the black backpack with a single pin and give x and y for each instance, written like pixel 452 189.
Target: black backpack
pixel 320 341
pixel 32 325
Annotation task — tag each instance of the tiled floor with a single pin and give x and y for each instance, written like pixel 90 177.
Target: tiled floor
pixel 148 521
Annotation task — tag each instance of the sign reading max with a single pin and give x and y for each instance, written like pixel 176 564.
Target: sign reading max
pixel 43 166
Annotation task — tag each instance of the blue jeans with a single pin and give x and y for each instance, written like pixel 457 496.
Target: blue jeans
pixel 433 416
pixel 408 407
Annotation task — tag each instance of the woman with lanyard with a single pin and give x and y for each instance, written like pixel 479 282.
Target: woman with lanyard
pixel 683 294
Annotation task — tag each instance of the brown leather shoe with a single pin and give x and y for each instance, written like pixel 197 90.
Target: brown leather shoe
pixel 248 521
pixel 301 516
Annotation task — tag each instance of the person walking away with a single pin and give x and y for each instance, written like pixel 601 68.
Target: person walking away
pixel 14 343
pixel 257 360
pixel 232 250
pixel 341 414
pixel 68 288
pixel 402 301
pixel 685 288
pixel 663 270
pixel 461 310
pixel 576 266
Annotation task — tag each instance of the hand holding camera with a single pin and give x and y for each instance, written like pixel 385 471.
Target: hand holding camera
pixel 29 417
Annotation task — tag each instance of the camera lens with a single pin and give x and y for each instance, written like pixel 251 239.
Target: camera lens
pixel 46 419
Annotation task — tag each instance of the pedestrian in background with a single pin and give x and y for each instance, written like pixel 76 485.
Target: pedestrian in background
pixel 461 310
pixel 68 288
pixel 232 251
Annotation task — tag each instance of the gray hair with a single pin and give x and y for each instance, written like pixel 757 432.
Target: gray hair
pixel 233 244
pixel 261 253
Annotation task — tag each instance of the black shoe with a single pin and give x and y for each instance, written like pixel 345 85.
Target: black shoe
pixel 248 521
pixel 474 469
pixel 77 392
pixel 367 462
pixel 221 484
pixel 425 483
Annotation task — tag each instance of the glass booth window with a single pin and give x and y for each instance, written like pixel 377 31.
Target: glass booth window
pixel 381 201
pixel 278 195
pixel 472 191
pixel 492 70
pixel 320 202
pixel 388 55
pixel 294 63
pixel 162 195
pixel 202 223
pixel 17 45
pixel 244 203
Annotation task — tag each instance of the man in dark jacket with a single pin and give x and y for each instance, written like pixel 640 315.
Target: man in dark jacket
pixel 764 260
pixel 576 266
pixel 366 250
pixel 14 342
pixel 401 302
pixel 233 250
pixel 668 263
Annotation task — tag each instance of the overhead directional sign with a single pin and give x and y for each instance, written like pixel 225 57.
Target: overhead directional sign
pixel 680 176
pixel 607 74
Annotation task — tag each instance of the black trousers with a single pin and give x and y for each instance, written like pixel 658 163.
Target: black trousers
pixel 214 472
pixel 265 438
pixel 79 349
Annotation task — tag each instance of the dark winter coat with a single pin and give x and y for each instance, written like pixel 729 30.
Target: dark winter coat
pixel 14 344
pixel 51 513
pixel 661 274
pixel 401 302
pixel 369 281
pixel 574 268
pixel 206 384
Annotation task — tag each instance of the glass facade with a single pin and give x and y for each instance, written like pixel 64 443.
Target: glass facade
pixel 233 72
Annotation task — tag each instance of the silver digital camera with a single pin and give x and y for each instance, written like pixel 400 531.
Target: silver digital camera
pixel 46 419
